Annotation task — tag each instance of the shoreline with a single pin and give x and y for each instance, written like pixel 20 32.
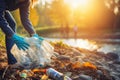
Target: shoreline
pixel 78 62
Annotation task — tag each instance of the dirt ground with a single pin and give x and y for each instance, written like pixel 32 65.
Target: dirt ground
pixel 71 61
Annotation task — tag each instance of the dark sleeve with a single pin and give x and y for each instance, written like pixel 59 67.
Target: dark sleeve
pixel 3 22
pixel 24 15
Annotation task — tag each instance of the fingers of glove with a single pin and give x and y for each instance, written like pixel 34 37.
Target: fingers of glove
pixel 23 42
pixel 18 47
pixel 22 46
pixel 26 46
pixel 41 38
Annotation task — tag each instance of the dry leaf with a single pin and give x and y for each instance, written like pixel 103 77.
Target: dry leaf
pixel 39 70
pixel 89 65
pixel 44 77
pixel 76 65
pixel 62 65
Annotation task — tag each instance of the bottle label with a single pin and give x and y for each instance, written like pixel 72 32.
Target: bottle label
pixel 54 74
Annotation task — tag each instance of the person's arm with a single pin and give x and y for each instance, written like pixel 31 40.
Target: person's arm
pixel 24 15
pixel 19 41
pixel 3 22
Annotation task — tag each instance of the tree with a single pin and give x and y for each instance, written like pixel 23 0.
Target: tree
pixel 114 6
pixel 34 16
pixel 42 10
pixel 59 12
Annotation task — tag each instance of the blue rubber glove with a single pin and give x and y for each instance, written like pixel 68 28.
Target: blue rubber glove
pixel 20 42
pixel 39 37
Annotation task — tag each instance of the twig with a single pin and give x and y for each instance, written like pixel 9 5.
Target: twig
pixel 5 72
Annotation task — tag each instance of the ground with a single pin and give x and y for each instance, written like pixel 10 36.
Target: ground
pixel 71 61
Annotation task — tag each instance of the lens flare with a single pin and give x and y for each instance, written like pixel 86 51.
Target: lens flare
pixel 77 3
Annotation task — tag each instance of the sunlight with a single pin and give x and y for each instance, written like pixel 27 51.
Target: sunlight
pixel 77 3
pixel 85 44
pixel 74 4
pixel 44 1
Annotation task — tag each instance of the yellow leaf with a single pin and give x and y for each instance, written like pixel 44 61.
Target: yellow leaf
pixel 76 65
pixel 44 77
pixel 39 70
pixel 89 65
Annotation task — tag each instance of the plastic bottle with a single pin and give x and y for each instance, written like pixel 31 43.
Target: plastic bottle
pixel 56 75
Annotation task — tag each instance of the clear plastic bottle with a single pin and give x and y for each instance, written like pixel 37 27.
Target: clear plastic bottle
pixel 52 73
pixel 56 75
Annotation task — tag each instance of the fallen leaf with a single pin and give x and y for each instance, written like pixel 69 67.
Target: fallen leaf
pixel 39 70
pixel 76 65
pixel 89 65
pixel 44 77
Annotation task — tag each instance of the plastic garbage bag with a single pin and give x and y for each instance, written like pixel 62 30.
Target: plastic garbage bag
pixel 38 55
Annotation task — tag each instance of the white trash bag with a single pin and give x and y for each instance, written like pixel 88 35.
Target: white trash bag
pixel 38 55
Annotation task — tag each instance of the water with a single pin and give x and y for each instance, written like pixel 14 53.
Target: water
pixel 110 48
pixel 101 45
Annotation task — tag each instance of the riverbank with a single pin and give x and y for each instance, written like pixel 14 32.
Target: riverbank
pixel 77 63
pixel 56 32
pixel 82 35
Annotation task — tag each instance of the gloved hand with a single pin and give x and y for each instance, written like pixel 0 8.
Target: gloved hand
pixel 20 42
pixel 39 37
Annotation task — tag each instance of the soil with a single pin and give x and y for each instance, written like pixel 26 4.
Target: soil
pixel 71 61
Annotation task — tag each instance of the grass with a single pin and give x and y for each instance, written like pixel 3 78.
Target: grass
pixel 2 39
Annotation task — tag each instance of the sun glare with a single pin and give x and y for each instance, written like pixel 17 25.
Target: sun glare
pixel 77 3
pixel 85 44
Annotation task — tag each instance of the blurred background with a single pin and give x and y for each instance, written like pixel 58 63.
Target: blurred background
pixel 74 18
